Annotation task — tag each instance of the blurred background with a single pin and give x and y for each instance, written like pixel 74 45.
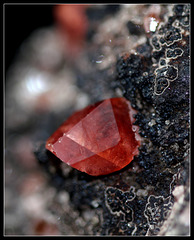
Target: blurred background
pixel 19 22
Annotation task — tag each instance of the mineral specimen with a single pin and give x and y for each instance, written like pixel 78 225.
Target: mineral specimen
pixel 99 139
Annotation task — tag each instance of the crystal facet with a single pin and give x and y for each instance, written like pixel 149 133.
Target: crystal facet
pixel 98 140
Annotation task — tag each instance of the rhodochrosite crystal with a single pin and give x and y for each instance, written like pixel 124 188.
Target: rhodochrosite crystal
pixel 98 140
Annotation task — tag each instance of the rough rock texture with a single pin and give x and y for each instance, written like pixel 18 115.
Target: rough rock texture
pixel 151 195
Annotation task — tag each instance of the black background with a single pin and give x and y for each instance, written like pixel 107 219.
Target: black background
pixel 19 22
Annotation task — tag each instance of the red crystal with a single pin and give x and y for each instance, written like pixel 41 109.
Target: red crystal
pixel 98 140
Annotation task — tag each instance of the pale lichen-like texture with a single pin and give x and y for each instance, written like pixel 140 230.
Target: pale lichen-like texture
pixel 151 70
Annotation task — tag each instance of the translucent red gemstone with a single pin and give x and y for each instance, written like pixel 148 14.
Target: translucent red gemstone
pixel 98 140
